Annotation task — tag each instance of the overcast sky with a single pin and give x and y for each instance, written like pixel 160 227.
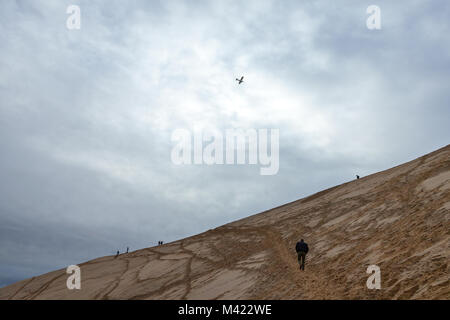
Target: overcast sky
pixel 86 116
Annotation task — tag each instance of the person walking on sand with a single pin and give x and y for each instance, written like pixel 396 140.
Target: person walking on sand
pixel 302 249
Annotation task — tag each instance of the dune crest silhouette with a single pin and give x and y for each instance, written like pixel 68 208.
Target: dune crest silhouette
pixel 397 219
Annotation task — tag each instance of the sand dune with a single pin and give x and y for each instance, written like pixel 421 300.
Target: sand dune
pixel 397 219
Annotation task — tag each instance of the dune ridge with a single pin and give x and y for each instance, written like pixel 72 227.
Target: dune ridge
pixel 397 219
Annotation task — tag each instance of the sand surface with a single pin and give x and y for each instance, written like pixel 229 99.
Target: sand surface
pixel 397 219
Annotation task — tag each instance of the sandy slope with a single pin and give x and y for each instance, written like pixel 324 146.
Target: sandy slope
pixel 397 219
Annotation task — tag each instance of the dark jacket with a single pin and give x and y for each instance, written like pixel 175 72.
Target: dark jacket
pixel 301 246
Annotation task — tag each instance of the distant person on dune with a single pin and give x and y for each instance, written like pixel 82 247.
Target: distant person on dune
pixel 302 249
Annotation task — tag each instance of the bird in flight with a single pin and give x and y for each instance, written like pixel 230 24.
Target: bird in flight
pixel 240 80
